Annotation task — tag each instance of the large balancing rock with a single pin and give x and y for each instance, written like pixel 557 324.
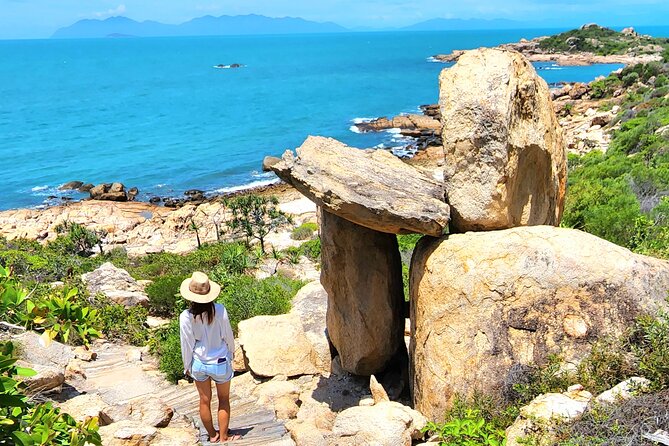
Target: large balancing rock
pixel 362 274
pixel 485 305
pixel 506 162
pixel 372 188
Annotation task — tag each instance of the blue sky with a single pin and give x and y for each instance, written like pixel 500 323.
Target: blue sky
pixel 40 18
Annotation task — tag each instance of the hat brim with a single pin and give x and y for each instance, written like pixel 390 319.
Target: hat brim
pixel 186 293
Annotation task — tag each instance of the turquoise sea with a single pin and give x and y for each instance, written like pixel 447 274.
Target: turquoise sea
pixel 155 113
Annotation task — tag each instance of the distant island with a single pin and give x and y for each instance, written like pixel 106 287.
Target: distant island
pixel 201 26
pixel 254 24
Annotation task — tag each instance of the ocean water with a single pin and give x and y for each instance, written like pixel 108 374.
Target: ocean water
pixel 156 114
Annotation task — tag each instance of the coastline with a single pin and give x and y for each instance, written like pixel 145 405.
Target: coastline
pixel 143 227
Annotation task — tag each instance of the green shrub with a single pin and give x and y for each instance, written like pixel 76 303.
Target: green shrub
pixel 245 297
pixel 405 282
pixel 478 421
pixel 61 313
pixel 630 79
pixel 304 232
pixel 234 257
pixel 311 249
pixel 166 344
pixel 650 345
pixel 162 293
pixel 24 423
pixel 119 323
pixel 76 239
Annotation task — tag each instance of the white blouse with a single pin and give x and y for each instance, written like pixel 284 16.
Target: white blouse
pixel 206 342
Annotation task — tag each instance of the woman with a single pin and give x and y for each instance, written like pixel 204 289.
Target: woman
pixel 207 348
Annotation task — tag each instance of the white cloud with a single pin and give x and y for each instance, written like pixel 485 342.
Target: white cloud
pixel 119 10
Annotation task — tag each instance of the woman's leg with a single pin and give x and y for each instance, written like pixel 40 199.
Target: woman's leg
pixel 223 393
pixel 204 390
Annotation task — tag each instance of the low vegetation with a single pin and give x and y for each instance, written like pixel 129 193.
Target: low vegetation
pixel 602 41
pixel 623 195
pixel 25 423
pixel 642 351
pixel 65 312
pixel 305 231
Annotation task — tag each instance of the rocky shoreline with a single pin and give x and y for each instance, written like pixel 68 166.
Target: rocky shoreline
pixel 533 51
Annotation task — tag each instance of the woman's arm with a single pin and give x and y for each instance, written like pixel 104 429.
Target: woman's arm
pixel 187 340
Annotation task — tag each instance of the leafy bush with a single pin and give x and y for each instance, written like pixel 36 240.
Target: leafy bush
pixel 24 424
pixel 233 256
pixel 311 249
pixel 166 344
pixel 162 293
pixel 245 297
pixel 76 239
pixel 61 314
pixel 66 317
pixel 630 79
pixel 34 263
pixel 650 345
pixel 466 429
pixel 304 232
pixel 119 323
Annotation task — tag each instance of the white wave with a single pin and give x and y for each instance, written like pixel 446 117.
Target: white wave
pixel 355 129
pixel 251 185
pixel 394 131
pixel 362 120
pixel 433 59
pixel 39 188
pixel 256 174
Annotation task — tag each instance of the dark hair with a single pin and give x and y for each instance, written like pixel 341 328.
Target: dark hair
pixel 198 309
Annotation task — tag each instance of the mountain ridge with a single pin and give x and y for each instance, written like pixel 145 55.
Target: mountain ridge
pixel 207 25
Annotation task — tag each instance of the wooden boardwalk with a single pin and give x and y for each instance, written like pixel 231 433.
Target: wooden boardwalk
pixel 116 379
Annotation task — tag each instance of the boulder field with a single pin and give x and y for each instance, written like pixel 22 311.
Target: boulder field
pixel 488 303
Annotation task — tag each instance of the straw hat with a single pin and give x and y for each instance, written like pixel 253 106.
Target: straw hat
pixel 198 288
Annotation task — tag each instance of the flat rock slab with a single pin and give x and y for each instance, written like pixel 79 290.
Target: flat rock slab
pixel 373 188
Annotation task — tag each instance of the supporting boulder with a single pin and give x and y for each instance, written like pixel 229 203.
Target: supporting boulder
pixel 362 274
pixel 506 162
pixel 487 305
pixel 374 189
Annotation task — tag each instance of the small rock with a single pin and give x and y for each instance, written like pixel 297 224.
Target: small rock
pixel 378 392
pixel 116 284
pixel 152 411
pixel 75 370
pixel 85 406
pixel 156 322
pixel 286 407
pixel 268 162
pixel 133 355
pixel 47 378
pixel 72 185
pixel 127 433
pixel 623 391
pixel 85 354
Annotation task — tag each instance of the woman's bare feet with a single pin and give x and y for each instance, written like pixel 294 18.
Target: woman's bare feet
pixel 231 437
